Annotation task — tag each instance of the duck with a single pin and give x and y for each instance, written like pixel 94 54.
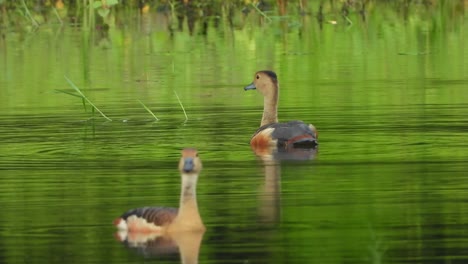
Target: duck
pixel 166 220
pixel 291 134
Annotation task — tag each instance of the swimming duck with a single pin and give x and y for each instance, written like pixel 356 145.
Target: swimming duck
pixel 271 133
pixel 166 219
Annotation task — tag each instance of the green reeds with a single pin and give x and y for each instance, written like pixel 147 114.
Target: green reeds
pixel 33 21
pixel 95 108
pixel 149 110
pixel 181 105
pixel 261 12
pixel 83 98
pixel 349 20
pixel 58 16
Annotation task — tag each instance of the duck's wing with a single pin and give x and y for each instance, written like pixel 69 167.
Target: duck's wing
pixel 158 216
pixel 293 133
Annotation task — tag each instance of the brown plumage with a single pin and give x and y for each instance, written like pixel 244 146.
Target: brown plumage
pixel 158 216
pixel 166 219
pixel 271 133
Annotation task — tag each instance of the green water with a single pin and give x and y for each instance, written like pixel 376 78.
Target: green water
pixel 388 96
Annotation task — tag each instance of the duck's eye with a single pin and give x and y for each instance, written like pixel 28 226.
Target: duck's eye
pixel 196 154
pixel 258 76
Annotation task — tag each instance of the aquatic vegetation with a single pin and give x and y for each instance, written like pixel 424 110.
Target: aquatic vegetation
pixel 83 98
pixel 182 106
pixel 28 14
pixel 233 13
pixel 103 7
pixel 261 12
pixel 149 110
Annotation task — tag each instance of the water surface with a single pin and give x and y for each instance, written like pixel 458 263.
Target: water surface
pixel 387 185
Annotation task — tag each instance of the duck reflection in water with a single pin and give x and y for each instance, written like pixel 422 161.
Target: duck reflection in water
pixel 185 243
pixel 270 193
pixel 155 231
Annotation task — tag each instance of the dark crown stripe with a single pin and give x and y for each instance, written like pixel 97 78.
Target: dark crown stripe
pixel 271 74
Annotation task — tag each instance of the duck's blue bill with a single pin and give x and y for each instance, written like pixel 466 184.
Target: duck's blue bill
pixel 250 87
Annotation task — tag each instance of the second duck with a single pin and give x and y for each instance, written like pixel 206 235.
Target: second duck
pixel 271 133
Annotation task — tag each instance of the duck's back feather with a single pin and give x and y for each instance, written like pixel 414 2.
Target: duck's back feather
pixel 293 133
pixel 158 216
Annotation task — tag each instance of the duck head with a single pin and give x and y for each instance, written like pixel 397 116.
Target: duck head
pixel 265 82
pixel 190 163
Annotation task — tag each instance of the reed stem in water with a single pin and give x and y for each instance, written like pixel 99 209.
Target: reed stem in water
pixel 261 12
pixel 149 110
pixel 85 98
pixel 183 109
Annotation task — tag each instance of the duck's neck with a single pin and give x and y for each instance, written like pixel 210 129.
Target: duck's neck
pixel 188 216
pixel 270 104
pixel 189 246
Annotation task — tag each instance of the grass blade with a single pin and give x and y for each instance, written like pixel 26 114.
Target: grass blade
pixel 261 12
pixel 69 93
pixel 85 98
pixel 183 109
pixel 58 16
pixel 84 105
pixel 33 21
pixel 149 110
pixel 76 95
